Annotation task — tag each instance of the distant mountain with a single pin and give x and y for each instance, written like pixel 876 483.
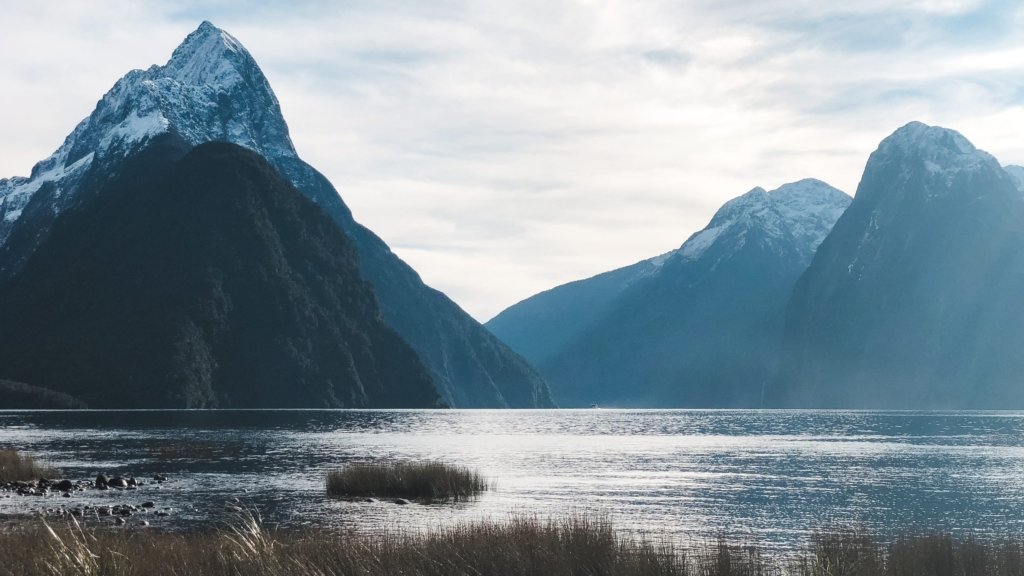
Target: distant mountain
pixel 915 298
pixel 699 326
pixel 544 325
pixel 202 278
pixel 1017 173
pixel 212 89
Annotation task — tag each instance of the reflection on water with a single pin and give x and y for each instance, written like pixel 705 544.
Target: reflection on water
pixel 769 475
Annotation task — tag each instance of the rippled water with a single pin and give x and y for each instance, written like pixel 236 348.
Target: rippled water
pixel 772 476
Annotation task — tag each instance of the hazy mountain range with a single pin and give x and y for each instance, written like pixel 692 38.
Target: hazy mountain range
pixel 698 326
pixel 911 300
pixel 176 251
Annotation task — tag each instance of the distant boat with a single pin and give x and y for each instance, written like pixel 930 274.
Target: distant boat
pixel 595 406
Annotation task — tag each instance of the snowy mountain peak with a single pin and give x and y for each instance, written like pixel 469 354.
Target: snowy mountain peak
pixel 208 55
pixel 922 161
pixel 801 212
pixel 920 136
pixel 932 151
pixel 210 89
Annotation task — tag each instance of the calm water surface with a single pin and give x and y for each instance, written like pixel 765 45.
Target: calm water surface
pixel 772 476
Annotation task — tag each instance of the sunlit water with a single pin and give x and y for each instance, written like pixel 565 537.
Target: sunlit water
pixel 768 476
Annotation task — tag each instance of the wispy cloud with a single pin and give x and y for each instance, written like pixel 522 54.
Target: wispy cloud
pixel 504 147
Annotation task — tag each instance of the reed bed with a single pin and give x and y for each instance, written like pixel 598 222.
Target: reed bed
pixel 18 467
pixel 519 546
pixel 522 546
pixel 430 481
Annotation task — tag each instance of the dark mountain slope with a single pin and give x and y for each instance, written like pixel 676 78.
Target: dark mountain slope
pixel 198 278
pixel 544 324
pixel 915 298
pixel 213 89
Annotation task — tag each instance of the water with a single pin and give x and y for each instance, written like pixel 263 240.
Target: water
pixel 768 476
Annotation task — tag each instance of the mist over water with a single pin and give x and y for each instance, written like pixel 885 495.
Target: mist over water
pixel 767 476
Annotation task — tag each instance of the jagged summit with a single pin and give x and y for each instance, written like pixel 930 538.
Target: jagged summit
pixel 200 57
pixel 210 89
pixel 210 56
pixel 926 161
pixel 918 135
pixel 800 200
pixel 804 210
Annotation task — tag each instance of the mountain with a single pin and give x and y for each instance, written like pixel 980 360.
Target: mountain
pixel 699 326
pixel 1017 173
pixel 914 299
pixel 205 280
pixel 544 325
pixel 211 90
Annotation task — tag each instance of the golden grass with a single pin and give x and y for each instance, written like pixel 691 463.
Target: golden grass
pixel 578 546
pixel 18 467
pixel 518 546
pixel 430 480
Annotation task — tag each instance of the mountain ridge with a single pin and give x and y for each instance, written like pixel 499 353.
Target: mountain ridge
pixel 207 281
pixel 637 324
pixel 212 89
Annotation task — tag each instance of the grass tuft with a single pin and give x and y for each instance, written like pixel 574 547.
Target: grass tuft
pixel 431 481
pixel 18 467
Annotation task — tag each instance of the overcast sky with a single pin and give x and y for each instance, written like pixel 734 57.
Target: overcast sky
pixel 505 147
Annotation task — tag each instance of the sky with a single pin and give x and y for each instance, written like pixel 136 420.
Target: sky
pixel 504 147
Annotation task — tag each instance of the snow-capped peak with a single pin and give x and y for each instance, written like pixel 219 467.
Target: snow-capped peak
pixel 941 152
pixel 210 89
pixel 208 55
pixel 802 212
pixel 924 162
pixel 920 136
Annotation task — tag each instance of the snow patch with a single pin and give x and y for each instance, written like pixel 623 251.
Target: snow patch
pixel 22 188
pixel 943 153
pixel 701 241
pixel 135 129
pixel 659 261
pixel 801 213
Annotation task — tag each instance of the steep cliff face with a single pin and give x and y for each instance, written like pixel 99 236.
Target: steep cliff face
pixel 213 90
pixel 699 326
pixel 913 301
pixel 199 279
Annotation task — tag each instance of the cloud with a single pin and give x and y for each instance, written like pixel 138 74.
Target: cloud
pixel 505 147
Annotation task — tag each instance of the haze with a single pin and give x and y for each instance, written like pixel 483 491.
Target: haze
pixel 504 148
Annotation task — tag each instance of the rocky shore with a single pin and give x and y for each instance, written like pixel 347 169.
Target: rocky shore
pixel 128 504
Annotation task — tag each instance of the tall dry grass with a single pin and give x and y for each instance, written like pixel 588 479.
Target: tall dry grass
pixel 18 467
pixel 518 546
pixel 579 546
pixel 429 480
